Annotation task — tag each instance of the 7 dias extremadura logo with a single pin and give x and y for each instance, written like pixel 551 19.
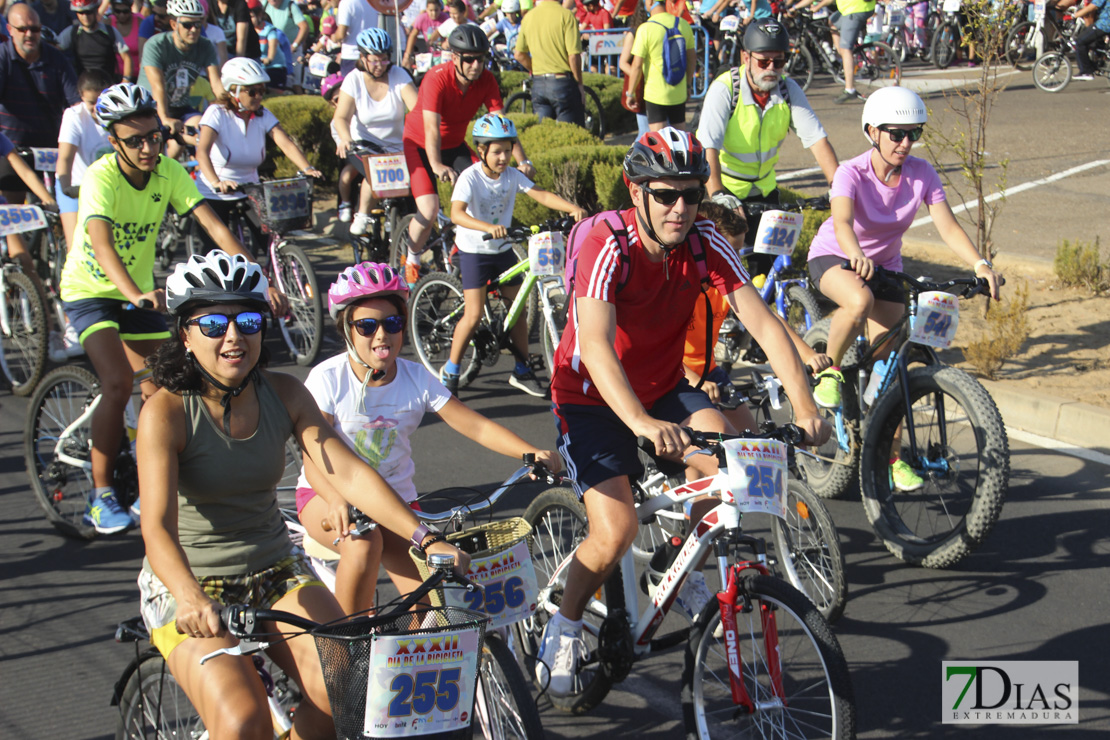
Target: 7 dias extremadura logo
pixel 1026 692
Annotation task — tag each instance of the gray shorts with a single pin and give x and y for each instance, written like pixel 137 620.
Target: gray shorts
pixel 850 26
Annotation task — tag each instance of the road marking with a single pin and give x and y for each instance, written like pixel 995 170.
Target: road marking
pixel 1053 444
pixel 797 174
pixel 1019 189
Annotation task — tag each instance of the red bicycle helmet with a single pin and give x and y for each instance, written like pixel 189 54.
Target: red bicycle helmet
pixel 668 153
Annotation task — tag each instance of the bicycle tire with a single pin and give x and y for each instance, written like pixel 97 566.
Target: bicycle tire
pixel 877 66
pixel 1018 44
pixel 819 701
pixel 802 309
pixel 799 67
pixel 303 328
pixel 434 300
pixel 808 549
pixel 944 47
pixel 520 102
pixel 966 485
pixel 194 245
pixel 594 113
pixel 504 708
pixel 826 479
pixel 553 334
pixel 152 697
pixel 1051 72
pixel 24 343
pixel 558 521
pixel 432 259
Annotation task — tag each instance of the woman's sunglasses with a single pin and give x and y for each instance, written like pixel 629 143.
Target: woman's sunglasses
pixel 670 196
pixel 215 324
pixel 897 134
pixel 369 327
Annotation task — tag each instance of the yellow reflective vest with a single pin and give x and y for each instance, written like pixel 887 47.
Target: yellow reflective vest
pixel 750 149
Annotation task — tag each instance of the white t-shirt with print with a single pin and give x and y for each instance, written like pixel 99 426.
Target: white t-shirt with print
pixel 239 148
pixel 379 121
pixel 82 131
pixel 380 430
pixel 357 16
pixel 488 200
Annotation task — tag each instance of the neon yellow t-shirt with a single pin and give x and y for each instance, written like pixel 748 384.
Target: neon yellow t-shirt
pixel 648 44
pixel 135 216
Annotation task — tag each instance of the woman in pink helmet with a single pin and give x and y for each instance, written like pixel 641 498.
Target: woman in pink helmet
pixel 375 400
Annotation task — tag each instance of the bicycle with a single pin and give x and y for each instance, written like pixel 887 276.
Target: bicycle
pixel 155 703
pixel 1029 40
pixel 389 175
pixel 179 230
pixel 811 51
pixel 437 305
pixel 23 336
pixel 521 102
pixel 957 440
pixel 1052 71
pixel 789 676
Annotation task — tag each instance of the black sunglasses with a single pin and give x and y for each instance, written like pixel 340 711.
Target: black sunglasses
pixel 471 60
pixel 369 327
pixel 670 196
pixel 91 11
pixel 189 25
pixel 215 324
pixel 764 62
pixel 155 138
pixel 27 29
pixel 897 134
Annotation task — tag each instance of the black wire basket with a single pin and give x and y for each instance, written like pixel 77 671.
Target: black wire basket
pixel 282 205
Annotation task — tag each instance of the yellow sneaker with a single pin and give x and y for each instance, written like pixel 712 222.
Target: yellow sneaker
pixel 903 478
pixel 827 392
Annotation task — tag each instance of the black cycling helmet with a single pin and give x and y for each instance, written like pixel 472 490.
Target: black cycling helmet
pixel 668 153
pixel 468 39
pixel 766 36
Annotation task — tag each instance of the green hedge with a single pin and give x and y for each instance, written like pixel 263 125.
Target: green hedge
pixel 812 222
pixel 307 119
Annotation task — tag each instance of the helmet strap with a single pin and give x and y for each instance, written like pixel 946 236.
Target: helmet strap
pixel 645 223
pixel 373 374
pixel 229 392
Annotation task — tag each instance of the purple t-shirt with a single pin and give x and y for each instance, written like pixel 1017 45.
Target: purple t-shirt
pixel 882 213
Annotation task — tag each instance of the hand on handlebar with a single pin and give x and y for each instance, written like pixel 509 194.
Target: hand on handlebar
pixel 445 174
pixel 155 300
pixel 993 278
pixel 174 126
pixel 550 460
pixel 226 186
pixel 863 266
pixel 816 428
pixel 817 362
pixel 342 149
pixel 462 560
pixel 338 520
pixel 279 303
pixel 312 172
pixel 498 231
pixel 579 213
pixel 199 616
pixel 670 440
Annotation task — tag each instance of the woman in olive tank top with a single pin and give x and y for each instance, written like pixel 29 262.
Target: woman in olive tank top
pixel 211 449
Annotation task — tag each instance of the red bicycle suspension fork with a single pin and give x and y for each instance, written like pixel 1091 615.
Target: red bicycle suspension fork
pixel 726 600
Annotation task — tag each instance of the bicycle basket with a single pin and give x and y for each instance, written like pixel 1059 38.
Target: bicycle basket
pixel 282 205
pixel 412 674
pixel 501 561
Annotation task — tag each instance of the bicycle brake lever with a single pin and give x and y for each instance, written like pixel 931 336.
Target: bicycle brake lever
pixel 237 651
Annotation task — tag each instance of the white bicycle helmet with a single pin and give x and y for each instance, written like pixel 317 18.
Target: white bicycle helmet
pixel 510 6
pixel 897 106
pixel 215 278
pixel 183 8
pixel 122 101
pixel 243 71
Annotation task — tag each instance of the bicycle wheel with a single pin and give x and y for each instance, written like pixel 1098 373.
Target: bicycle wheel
pixel 1052 72
pixel 799 66
pixel 432 259
pixel 193 243
pixel 963 456
pixel 435 306
pixel 1020 45
pixel 558 521
pixel 831 479
pixel 552 334
pixel 877 66
pixel 802 309
pixel 303 328
pixel 153 705
pixel 817 699
pixel 945 43
pixel 808 549
pixel 62 489
pixel 23 339
pixel 504 708
pixel 520 102
pixel 595 114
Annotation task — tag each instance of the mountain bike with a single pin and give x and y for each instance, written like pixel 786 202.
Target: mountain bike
pixel 936 418
pixel 812 51
pixel 23 318
pixel 152 704
pixel 521 102
pixel 1028 40
pixel 760 657
pixel 1052 71
pixel 437 304
pixel 389 177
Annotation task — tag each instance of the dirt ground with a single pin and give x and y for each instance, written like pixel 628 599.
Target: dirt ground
pixel 1067 354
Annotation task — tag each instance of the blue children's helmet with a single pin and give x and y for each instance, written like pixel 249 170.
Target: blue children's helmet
pixel 375 41
pixel 493 127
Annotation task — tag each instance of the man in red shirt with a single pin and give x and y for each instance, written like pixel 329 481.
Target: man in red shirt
pixel 435 131
pixel 618 369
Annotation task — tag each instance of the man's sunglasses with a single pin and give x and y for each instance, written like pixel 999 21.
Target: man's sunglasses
pixel 121 10
pixel 27 29
pixel 670 196
pixel 897 134
pixel 369 327
pixel 216 324
pixel 481 58
pixel 189 25
pixel 91 11
pixel 155 138
pixel 764 63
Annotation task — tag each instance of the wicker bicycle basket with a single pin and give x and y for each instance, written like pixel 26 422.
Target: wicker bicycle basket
pixel 282 205
pixel 344 649
pixel 483 541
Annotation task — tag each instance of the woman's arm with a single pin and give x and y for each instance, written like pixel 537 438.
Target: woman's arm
pixel 957 240
pixel 625 62
pixel 30 179
pixel 492 435
pixel 290 149
pixel 409 95
pixel 843 214
pixel 63 171
pixel 344 111
pixel 205 142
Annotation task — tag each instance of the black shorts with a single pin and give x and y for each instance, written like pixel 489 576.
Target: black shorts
pixel 883 290
pixel 478 269
pixel 669 114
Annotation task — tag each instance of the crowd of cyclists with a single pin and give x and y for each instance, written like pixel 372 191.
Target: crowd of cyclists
pixel 631 362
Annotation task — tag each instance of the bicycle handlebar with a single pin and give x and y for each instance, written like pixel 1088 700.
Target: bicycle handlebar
pixel 530 467
pixel 523 233
pixel 973 286
pixel 818 204
pixel 790 434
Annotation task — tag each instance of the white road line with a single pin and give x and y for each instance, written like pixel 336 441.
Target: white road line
pixel 1019 189
pixel 797 174
pixel 1052 444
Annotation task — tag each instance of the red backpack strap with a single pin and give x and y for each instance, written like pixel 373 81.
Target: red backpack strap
pixel 617 227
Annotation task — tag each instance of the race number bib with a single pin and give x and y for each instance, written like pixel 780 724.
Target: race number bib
pixel 181 86
pixel 936 320
pixel 388 173
pixel 318 64
pixel 489 26
pixel 822 13
pixel 757 475
pixel 730 23
pixel 46 160
pixel 17 219
pixel 951 6
pixel 288 200
pixel 421 684
pixel 511 588
pixel 1038 10
pixel 777 232
pixel 546 253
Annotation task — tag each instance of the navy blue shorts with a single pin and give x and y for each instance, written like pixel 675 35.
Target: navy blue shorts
pixel 596 445
pixel 478 269
pixel 90 315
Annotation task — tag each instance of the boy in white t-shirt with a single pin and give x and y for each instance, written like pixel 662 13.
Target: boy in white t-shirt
pixel 482 203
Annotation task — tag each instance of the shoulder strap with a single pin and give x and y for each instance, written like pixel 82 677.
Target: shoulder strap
pixel 697 250
pixel 735 91
pixel 620 233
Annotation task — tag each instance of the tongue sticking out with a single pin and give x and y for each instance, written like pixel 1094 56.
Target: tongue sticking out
pixel 381 352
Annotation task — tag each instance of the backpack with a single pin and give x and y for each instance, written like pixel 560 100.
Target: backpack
pixel 783 90
pixel 674 53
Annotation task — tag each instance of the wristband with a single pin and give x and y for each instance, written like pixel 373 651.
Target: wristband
pixel 982 261
pixel 437 537
pixel 422 531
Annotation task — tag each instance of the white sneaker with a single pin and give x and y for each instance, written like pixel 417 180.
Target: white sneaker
pixel 1083 78
pixel 560 650
pixel 56 348
pixel 345 212
pixel 73 344
pixel 694 595
pixel 359 224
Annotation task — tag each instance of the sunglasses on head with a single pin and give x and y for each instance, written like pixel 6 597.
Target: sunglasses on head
pixel 189 25
pixel 216 324
pixel 471 60
pixel 764 63
pixel 369 327
pixel 897 134
pixel 670 196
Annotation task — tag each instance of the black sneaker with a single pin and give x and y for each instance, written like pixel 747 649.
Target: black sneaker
pixel 528 383
pixel 450 381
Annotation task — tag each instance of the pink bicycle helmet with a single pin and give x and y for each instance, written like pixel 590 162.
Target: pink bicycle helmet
pixel 364 280
pixel 330 83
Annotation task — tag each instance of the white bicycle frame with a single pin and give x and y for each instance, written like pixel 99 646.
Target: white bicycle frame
pixel 6 318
